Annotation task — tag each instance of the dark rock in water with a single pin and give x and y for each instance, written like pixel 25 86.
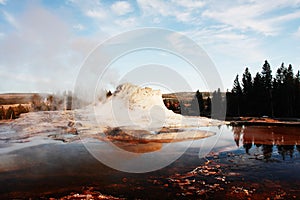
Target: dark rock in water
pixel 71 124
pixel 114 132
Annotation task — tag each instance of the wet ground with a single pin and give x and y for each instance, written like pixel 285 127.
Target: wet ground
pixel 243 163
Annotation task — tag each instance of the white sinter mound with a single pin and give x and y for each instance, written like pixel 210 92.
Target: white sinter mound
pixel 131 105
pixel 133 109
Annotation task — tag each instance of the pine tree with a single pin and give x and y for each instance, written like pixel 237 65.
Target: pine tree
pixel 267 83
pixel 267 75
pixel 297 94
pixel 217 105
pixel 236 86
pixel 258 99
pixel 289 90
pixel 279 91
pixel 290 74
pixel 236 95
pixel 199 98
pixel 208 106
pixel 247 82
pixel 265 95
pixel 280 74
pixel 247 100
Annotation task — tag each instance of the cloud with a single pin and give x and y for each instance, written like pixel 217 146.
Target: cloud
pixel 121 8
pixel 287 17
pixel 242 17
pixel 25 78
pixel 127 23
pixel 156 20
pixel 38 48
pixel 99 14
pixel 44 49
pixel 52 44
pixel 297 33
pixel 241 48
pixel 38 32
pixel 183 17
pixel 255 16
pixel 92 8
pixel 10 19
pixel 190 4
pixel 178 10
pixel 179 43
pixel 79 27
pixel 3 2
pixel 154 7
pixel 84 5
pixel 229 48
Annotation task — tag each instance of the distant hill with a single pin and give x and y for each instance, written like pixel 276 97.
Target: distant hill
pixel 184 96
pixel 18 98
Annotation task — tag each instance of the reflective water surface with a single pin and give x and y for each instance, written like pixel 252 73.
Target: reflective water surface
pixel 256 162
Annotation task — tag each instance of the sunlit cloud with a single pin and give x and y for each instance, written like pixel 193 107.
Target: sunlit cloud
pixel 96 14
pixel 121 8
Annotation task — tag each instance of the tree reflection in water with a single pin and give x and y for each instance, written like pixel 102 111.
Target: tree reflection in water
pixel 285 139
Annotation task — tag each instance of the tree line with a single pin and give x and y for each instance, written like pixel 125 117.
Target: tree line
pixel 261 95
pixel 277 96
pixel 213 106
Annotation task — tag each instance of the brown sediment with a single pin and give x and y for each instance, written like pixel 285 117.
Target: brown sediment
pixel 165 135
pixel 89 193
pixel 229 175
pixel 139 147
pixel 215 180
pixel 262 121
pixel 143 141
pixel 271 135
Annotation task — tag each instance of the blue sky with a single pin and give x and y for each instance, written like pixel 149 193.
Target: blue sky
pixel 44 43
